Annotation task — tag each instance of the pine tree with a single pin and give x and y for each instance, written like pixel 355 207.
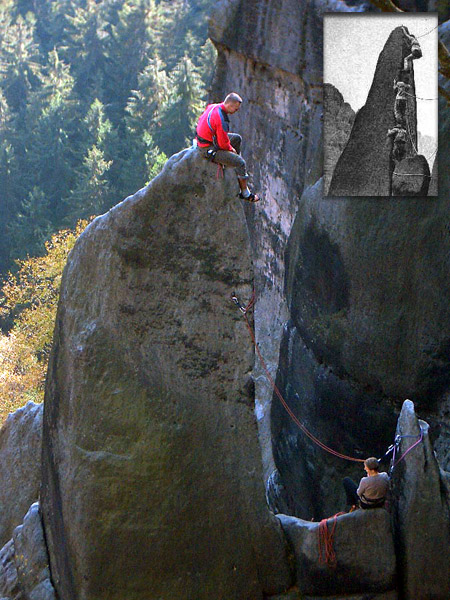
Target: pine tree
pixel 31 227
pixel 132 41
pixel 91 194
pixel 87 37
pixel 143 110
pixel 181 112
pixel 98 126
pixel 19 67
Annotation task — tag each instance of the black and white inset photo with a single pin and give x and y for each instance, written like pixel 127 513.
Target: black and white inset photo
pixel 380 104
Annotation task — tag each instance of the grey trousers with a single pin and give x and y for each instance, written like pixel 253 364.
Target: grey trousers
pixel 230 159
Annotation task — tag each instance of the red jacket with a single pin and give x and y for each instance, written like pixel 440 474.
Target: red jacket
pixel 213 127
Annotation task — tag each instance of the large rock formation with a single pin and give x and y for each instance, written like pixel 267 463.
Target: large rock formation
pixel 152 479
pixel 365 166
pixel 20 466
pixel 367 567
pixel 422 516
pixel 271 53
pixel 338 119
pixel 343 373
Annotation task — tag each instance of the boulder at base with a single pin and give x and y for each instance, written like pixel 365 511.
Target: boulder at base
pixel 24 569
pixel 411 177
pixel 152 475
pixel 364 549
pixel 422 519
pixel 20 466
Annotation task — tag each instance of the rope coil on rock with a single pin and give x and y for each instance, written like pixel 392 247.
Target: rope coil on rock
pixel 327 554
pixel 312 437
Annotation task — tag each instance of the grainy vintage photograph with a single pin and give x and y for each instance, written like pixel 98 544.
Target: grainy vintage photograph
pixel 380 104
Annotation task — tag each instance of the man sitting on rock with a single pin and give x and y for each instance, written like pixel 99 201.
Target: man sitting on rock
pixel 372 490
pixel 216 144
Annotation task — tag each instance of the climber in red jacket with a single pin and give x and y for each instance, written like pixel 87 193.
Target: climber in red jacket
pixel 216 144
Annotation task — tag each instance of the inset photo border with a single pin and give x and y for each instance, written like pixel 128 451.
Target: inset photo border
pixel 380 104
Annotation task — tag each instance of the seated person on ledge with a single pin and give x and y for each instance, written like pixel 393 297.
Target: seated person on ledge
pixel 372 490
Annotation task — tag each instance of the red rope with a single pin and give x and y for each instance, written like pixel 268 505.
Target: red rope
pixel 394 462
pixel 280 396
pixel 327 555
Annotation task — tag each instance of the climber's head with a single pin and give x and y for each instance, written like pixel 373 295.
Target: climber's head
pixel 232 103
pixel 371 465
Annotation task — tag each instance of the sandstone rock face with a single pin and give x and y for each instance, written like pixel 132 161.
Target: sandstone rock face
pixel 365 166
pixel 338 121
pixel 20 465
pixel 422 518
pixel 24 569
pixel 151 462
pixel 369 326
pixel 411 177
pixel 368 566
pixel 271 53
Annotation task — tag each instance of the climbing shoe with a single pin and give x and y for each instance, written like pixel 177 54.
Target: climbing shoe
pixel 252 198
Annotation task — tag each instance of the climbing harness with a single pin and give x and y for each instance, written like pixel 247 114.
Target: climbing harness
pixel 312 437
pixel 327 554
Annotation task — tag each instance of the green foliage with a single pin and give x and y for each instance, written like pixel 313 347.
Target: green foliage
pixel 94 94
pixel 181 111
pixel 30 299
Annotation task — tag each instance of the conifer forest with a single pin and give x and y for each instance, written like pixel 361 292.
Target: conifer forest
pixel 94 95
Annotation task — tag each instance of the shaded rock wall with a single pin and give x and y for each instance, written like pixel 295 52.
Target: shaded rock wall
pixel 271 53
pixel 368 292
pixel 20 466
pixel 151 465
pixel 338 119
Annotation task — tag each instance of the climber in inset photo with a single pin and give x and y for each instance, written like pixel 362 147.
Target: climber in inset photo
pixel 380 104
pixel 216 144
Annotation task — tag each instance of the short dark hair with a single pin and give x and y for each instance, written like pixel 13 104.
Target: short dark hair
pixel 233 97
pixel 372 463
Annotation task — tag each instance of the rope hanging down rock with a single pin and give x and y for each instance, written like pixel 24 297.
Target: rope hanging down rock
pixel 312 437
pixel 285 405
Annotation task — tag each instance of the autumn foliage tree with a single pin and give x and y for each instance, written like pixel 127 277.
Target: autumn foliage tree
pixel 30 298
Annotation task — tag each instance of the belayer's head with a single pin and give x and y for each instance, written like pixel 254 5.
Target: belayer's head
pixel 371 465
pixel 232 103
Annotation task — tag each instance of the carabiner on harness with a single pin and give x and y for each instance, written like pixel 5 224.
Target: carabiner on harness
pixel 211 154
